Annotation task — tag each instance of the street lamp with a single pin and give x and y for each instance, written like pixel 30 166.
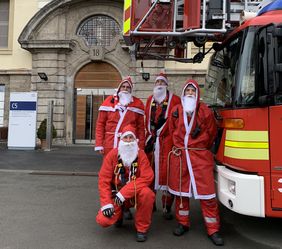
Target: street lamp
pixel 43 76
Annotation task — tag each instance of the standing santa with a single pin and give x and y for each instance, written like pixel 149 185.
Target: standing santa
pixel 193 129
pixel 158 139
pixel 115 113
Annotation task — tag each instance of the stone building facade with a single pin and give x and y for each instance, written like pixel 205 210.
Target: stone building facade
pixel 81 66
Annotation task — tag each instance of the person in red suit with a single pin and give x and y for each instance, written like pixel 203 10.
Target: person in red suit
pixel 158 140
pixel 116 112
pixel 193 129
pixel 124 180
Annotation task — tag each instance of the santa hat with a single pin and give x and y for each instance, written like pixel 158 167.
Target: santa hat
pixel 128 130
pixel 191 82
pixel 163 77
pixel 126 79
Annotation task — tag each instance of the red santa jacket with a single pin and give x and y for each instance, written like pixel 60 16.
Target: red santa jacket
pixel 113 117
pixel 193 136
pixel 160 135
pixel 107 178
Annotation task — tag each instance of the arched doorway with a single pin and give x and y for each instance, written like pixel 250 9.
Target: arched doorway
pixel 93 83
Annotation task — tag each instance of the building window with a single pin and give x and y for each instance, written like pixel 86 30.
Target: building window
pixel 2 94
pixel 99 30
pixel 4 23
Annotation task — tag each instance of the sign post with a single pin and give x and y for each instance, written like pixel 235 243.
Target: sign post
pixel 49 128
pixel 22 120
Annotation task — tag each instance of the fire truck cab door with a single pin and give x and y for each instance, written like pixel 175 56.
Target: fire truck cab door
pixel 275 139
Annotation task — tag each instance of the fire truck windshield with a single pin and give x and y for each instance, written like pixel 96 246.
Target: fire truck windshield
pixel 231 76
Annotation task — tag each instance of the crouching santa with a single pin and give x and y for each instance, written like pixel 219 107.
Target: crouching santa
pixel 124 181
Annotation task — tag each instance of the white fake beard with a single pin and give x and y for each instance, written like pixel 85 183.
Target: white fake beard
pixel 127 152
pixel 159 93
pixel 189 104
pixel 124 98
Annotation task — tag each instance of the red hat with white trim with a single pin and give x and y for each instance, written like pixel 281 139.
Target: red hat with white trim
pixel 163 77
pixel 126 79
pixel 128 130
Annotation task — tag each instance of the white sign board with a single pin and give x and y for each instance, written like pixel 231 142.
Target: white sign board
pixel 22 120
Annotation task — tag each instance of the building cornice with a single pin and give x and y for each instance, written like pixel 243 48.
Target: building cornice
pixel 185 71
pixel 20 71
pixel 39 45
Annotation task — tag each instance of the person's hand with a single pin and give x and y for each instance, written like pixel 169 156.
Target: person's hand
pixel 118 201
pixel 101 151
pixel 108 212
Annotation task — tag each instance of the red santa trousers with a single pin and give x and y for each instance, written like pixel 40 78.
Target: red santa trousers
pixel 210 213
pixel 143 215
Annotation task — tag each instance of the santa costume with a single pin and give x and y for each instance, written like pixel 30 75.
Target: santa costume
pixel 114 116
pixel 191 161
pixel 158 140
pixel 129 181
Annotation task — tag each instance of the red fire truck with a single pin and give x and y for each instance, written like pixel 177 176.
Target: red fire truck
pixel 243 86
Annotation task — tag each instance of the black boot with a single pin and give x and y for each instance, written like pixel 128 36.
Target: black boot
pixel 216 239
pixel 141 237
pixel 154 207
pixel 180 230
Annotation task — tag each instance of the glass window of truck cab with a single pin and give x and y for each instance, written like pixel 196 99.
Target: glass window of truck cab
pixel 247 70
pixel 231 76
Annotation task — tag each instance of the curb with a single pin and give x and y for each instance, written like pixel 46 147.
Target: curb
pixel 43 172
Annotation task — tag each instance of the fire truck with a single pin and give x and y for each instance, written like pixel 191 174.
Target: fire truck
pixel 243 85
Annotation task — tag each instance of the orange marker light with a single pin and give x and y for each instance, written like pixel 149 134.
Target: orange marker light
pixel 233 123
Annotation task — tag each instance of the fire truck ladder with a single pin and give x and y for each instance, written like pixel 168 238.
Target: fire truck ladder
pixel 173 23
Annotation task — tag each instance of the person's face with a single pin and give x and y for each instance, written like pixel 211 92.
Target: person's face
pixel 125 87
pixel 160 83
pixel 128 138
pixel 190 90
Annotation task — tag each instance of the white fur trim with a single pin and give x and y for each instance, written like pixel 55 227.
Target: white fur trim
pixel 127 133
pixel 122 115
pixel 205 197
pixel 97 148
pixel 162 78
pixel 184 194
pixel 183 212
pixel 189 83
pixel 107 206
pixel 107 109
pixel 120 196
pixel 137 110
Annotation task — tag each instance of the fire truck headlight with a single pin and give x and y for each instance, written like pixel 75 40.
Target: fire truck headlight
pixel 232 187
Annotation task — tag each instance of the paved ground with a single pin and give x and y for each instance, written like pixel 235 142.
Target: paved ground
pixel 49 200
pixel 76 158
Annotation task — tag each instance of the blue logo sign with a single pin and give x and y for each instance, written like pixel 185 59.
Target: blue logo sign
pixel 22 106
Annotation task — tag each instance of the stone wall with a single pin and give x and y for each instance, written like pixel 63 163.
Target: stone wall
pixel 56 50
pixel 14 81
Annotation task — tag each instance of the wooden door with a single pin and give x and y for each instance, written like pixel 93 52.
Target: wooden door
pixel 93 84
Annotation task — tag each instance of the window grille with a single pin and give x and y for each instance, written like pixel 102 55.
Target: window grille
pixel 99 30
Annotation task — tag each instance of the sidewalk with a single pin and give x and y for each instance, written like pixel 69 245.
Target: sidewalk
pixel 68 159
pixel 30 197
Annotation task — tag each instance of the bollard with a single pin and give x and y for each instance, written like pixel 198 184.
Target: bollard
pixel 49 128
